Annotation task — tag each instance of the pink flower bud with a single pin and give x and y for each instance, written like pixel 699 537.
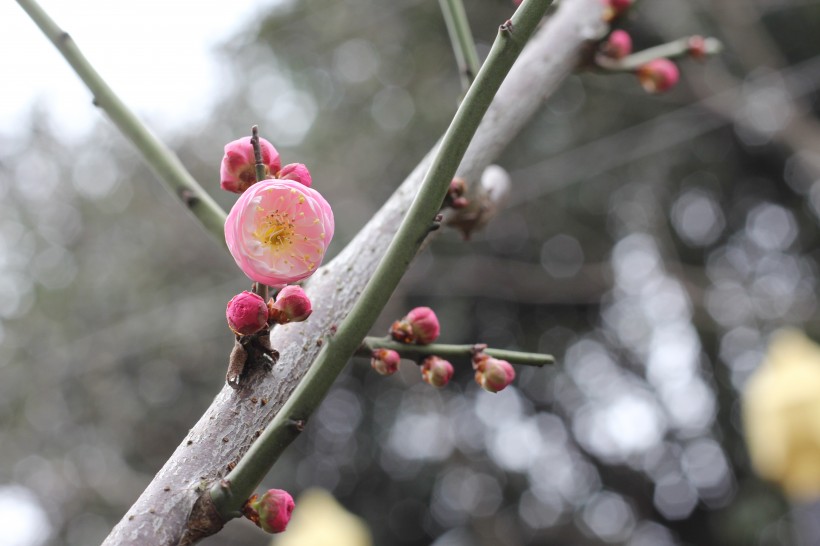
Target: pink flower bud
pixel 278 231
pixel 455 194
pixel 238 168
pixel 296 172
pixel 247 313
pixel 494 374
pixel 436 371
pixel 618 45
pixel 658 75
pixel 425 325
pixel 697 47
pixel 292 305
pixel 271 511
pixel 385 361
pixel 420 326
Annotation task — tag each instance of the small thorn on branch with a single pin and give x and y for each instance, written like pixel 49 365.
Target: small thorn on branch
pixel 506 27
pixel 297 424
pixel 188 197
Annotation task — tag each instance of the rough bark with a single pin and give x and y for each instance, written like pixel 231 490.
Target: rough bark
pixel 226 430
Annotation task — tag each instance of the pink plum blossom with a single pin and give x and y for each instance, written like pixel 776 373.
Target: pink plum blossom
pixel 272 510
pixel 238 169
pixel 278 231
pixel 436 371
pixel 297 172
pixel 658 75
pixel 385 361
pixel 247 313
pixel 292 305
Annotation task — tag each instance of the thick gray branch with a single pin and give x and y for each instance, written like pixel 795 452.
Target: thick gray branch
pixel 231 423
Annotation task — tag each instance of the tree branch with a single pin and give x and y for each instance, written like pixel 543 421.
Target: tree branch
pixel 230 425
pixel 407 350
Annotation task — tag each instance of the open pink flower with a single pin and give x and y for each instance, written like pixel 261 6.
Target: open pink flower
pixel 278 231
pixel 238 169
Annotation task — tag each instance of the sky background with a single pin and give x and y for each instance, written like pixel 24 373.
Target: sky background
pixel 159 56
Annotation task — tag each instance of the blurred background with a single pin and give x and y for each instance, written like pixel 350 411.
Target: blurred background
pixel 652 243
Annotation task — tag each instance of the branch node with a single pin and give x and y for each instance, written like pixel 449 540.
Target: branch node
pixel 506 28
pixel 297 424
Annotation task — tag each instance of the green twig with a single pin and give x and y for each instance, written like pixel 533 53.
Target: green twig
pixel 451 351
pixel 670 50
pixel 458 27
pixel 337 350
pixel 165 164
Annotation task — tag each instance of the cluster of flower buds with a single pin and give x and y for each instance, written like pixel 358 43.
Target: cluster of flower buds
pixel 238 169
pixel 247 313
pixel 277 232
pixel 271 511
pixel 455 194
pixel 493 374
pixel 419 327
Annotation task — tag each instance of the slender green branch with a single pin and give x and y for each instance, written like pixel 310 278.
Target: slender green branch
pixel 451 351
pixel 458 27
pixel 671 50
pixel 229 495
pixel 165 164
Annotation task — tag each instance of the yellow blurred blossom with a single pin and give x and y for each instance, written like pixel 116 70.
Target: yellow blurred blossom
pixel 781 415
pixel 319 520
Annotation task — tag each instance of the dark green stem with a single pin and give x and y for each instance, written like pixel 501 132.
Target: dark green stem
pixel 461 37
pixel 257 154
pixel 451 351
pixel 671 50
pixel 415 226
pixel 165 164
pixel 258 288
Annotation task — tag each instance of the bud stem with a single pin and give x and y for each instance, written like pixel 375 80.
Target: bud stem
pixel 671 50
pixel 443 350
pixel 257 154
